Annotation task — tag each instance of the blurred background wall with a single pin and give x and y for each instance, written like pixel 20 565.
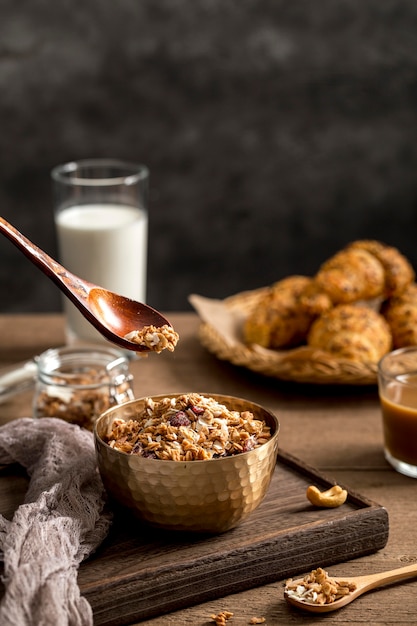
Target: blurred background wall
pixel 275 131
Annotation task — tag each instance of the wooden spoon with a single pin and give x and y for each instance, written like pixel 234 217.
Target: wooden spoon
pixel 114 316
pixel 363 584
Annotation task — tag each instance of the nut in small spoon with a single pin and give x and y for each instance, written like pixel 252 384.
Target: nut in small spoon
pixel 308 593
pixel 122 321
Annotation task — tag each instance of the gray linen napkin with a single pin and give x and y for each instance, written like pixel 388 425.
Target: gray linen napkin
pixel 61 522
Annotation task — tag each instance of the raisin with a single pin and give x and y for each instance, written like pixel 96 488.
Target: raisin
pixel 141 451
pixel 137 448
pixel 249 444
pixel 197 410
pixel 149 454
pixel 179 419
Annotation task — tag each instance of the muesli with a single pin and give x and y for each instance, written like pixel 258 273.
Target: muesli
pixel 155 338
pixel 186 428
pixel 318 587
pixel 82 400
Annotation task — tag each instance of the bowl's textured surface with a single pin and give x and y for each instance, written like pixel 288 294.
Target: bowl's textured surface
pixel 201 496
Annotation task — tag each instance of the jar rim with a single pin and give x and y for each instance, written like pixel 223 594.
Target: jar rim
pixel 63 365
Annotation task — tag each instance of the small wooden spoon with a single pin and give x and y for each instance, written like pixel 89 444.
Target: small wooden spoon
pixel 114 316
pixel 363 584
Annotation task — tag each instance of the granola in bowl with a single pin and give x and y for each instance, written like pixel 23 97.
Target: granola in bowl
pixel 186 428
pixel 187 461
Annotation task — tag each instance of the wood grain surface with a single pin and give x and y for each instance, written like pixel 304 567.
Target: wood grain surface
pixel 152 572
pixel 337 430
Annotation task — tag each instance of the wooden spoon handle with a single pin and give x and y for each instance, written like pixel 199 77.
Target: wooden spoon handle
pixel 76 289
pixel 29 249
pixel 382 578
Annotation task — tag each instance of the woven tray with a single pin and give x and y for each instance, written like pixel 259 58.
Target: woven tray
pixel 221 333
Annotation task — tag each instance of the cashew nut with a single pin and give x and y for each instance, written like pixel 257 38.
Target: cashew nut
pixel 333 497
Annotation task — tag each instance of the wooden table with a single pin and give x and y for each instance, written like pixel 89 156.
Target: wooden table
pixel 337 430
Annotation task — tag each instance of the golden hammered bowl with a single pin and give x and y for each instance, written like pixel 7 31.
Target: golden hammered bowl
pixel 209 496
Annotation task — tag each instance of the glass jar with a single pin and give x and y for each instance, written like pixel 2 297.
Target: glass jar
pixel 78 383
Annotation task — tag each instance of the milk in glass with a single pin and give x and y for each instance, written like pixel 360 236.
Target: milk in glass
pixel 105 244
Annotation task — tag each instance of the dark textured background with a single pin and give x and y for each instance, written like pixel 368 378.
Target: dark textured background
pixel 275 131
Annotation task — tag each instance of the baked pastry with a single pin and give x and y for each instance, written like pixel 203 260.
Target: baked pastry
pixel 313 300
pixel 400 311
pixel 278 320
pixel 350 331
pixel 397 269
pixel 350 275
pixel 324 310
pixel 366 269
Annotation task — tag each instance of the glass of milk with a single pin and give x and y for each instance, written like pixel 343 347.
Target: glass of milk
pixel 101 218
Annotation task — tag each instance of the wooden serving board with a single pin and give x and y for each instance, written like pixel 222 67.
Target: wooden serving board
pixel 140 572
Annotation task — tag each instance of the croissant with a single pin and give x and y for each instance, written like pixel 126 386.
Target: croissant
pixel 353 332
pixel 313 300
pixel 278 321
pixel 397 269
pixel 401 314
pixel 350 275
pixel 323 311
pixel 364 270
